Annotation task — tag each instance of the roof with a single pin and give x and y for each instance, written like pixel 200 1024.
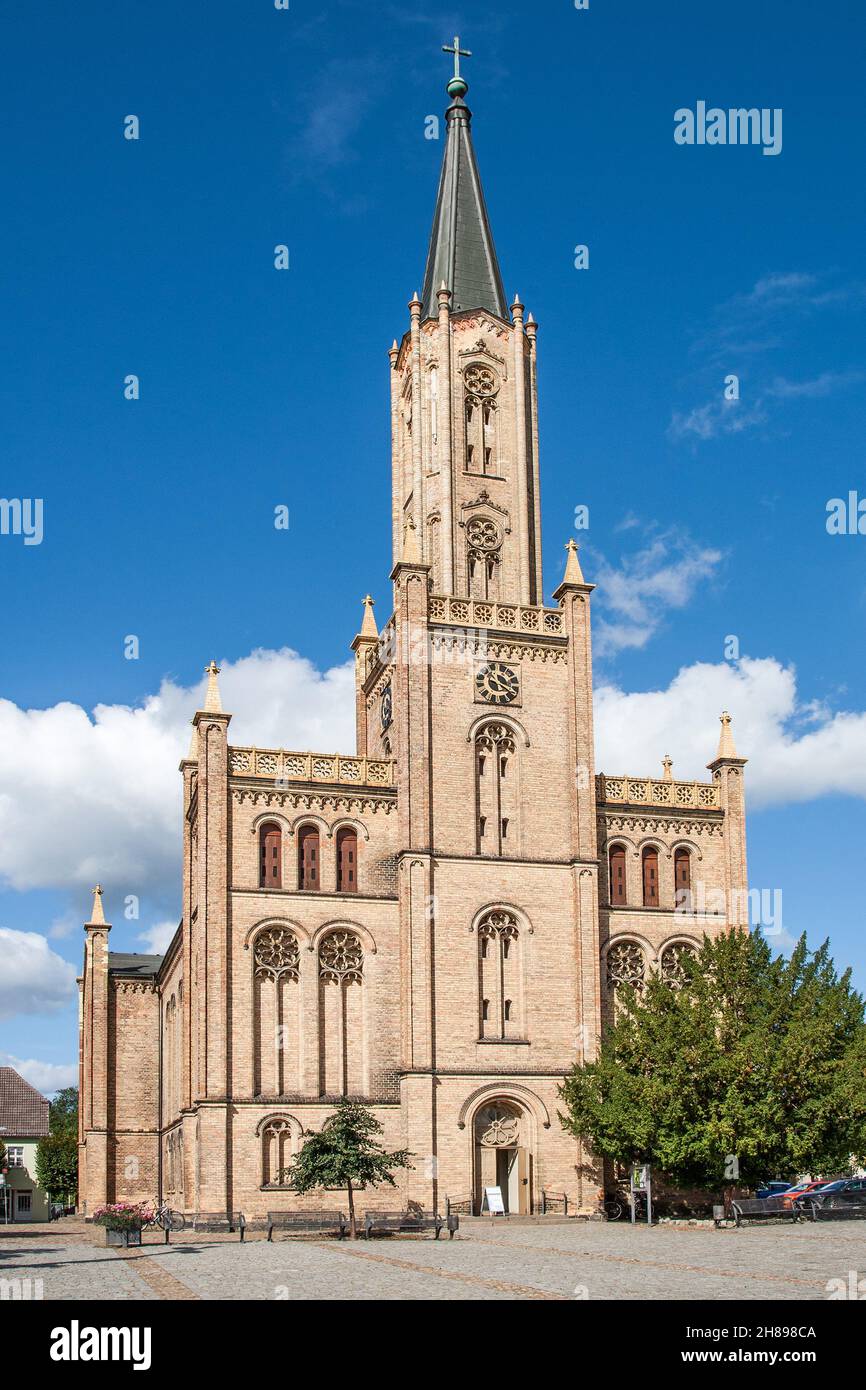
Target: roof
pixel 461 253
pixel 23 1111
pixel 132 964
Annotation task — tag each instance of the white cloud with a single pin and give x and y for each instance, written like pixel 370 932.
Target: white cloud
pixel 797 750
pixel 47 1077
pixel 720 416
pixel 85 798
pixel 157 938
pixel 661 577
pixel 98 798
pixel 33 978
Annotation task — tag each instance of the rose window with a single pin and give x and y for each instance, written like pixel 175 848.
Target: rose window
pixel 625 965
pixel 672 970
pixel 480 380
pixel 276 953
pixel 341 957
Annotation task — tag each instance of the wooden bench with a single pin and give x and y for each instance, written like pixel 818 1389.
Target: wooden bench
pixel 305 1223
pixel 762 1209
pixel 414 1222
pixel 219 1221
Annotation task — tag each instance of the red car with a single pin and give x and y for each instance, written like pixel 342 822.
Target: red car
pixel 801 1189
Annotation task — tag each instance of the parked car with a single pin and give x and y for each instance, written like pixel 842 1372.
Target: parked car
pixel 800 1189
pixel 847 1197
pixel 772 1189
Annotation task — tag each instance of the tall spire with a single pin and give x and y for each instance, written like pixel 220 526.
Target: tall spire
pixel 461 250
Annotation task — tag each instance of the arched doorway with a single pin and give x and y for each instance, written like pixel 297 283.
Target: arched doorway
pixel 503 1156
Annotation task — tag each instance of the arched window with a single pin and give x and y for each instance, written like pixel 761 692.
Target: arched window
pixel 626 965
pixel 342 1057
pixel 617 876
pixel 499 975
pixel 276 1012
pixel 496 793
pixel 308 858
pixel 683 880
pixel 270 856
pixel 673 971
pixel 484 555
pixel 347 861
pixel 650 860
pixel 279 1142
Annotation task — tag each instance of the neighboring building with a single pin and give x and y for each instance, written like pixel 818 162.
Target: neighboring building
pixel 436 925
pixel 23 1122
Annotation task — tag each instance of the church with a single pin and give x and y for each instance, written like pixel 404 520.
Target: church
pixel 436 925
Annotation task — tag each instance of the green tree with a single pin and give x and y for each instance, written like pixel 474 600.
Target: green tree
pixel 344 1153
pixel 753 1057
pixel 63 1112
pixel 57 1166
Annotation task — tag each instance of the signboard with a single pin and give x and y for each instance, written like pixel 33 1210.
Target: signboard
pixel 640 1178
pixel 493 1201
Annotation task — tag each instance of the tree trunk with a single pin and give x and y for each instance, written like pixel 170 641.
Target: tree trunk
pixel 353 1230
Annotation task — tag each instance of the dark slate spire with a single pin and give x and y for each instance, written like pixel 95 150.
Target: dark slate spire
pixel 461 251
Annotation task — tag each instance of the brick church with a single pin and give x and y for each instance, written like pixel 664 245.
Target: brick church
pixel 437 924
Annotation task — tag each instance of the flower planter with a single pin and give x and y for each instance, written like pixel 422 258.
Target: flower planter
pixel 123 1238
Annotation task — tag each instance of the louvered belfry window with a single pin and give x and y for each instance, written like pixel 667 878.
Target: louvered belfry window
pixel 347 861
pixel 270 857
pixel 617 876
pixel 308 858
pixel 650 878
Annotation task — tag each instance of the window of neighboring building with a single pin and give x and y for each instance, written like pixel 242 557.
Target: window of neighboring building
pixel 15 1155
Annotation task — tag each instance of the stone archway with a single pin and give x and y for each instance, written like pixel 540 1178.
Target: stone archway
pixel 502 1147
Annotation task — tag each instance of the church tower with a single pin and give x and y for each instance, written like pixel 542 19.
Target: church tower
pixel 484 697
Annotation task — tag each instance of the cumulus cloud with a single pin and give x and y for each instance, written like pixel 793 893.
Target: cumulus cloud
pixel 86 797
pixel 97 797
pixel 797 750
pixel 33 978
pixel 157 938
pixel 640 592
pixel 47 1077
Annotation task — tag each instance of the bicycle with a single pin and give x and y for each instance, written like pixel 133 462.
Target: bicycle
pixel 165 1217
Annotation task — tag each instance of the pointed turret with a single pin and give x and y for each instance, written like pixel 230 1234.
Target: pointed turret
pixel 212 701
pixel 97 914
pixel 726 747
pixel 462 255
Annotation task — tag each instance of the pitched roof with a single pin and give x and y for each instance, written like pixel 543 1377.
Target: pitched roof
pixel 23 1111
pixel 461 253
pixel 132 963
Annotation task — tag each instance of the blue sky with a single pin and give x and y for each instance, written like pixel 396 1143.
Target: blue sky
pixel 307 127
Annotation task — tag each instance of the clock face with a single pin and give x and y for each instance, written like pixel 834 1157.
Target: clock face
pixel 497 683
pixel 386 707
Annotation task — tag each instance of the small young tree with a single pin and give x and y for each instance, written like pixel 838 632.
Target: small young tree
pixel 344 1153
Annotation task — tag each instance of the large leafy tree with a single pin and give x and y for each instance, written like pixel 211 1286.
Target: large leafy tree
pixel 57 1155
pixel 753 1057
pixel 345 1153
pixel 63 1111
pixel 57 1166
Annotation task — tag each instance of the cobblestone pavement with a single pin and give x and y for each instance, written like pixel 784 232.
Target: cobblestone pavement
pixel 559 1261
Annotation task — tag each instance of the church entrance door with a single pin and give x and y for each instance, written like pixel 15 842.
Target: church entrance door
pixel 502 1159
